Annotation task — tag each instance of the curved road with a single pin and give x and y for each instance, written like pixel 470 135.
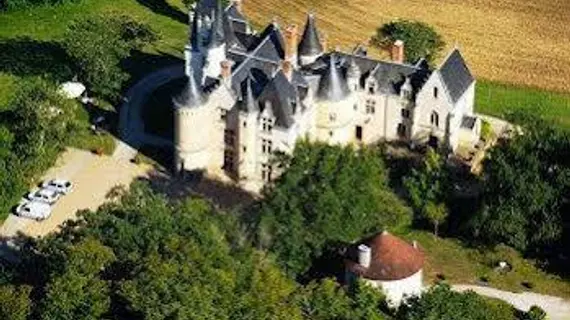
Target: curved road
pixel 131 125
pixel 556 308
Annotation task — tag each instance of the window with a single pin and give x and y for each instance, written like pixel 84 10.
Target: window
pixel 332 117
pixel 435 92
pixel 401 130
pixel 245 124
pixel 266 146
pixel 405 113
pixel 359 133
pixel 434 119
pixel 229 137
pixel 244 149
pixel 355 107
pixel 228 160
pixel 407 94
pixel 223 114
pixel 266 124
pixel 266 172
pixel 370 106
pixel 371 87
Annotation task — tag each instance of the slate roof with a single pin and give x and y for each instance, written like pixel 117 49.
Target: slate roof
pixel 191 96
pixel 456 75
pixel 283 96
pixel 468 122
pixel 234 14
pixel 391 259
pixel 276 37
pixel 333 86
pixel 218 32
pixel 206 8
pixel 310 44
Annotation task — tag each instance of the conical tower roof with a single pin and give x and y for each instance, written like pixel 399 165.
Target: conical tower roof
pixel 248 101
pixel 195 33
pixel 191 96
pixel 333 87
pixel 310 44
pixel 218 34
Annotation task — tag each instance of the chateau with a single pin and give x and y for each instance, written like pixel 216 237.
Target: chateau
pixel 250 94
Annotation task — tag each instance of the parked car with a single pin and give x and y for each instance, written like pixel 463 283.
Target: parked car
pixel 45 195
pixel 58 185
pixel 34 210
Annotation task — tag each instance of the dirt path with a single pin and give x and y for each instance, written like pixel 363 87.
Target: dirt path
pixel 556 308
pixel 93 176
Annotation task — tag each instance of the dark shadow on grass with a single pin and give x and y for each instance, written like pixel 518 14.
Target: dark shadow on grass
pixel 164 8
pixel 27 57
pixel 195 183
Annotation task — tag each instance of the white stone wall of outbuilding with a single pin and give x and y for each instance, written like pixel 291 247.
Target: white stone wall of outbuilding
pixel 396 291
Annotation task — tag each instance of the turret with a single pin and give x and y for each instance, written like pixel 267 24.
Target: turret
pixel 353 75
pixel 310 47
pixel 191 131
pixel 248 128
pixel 216 50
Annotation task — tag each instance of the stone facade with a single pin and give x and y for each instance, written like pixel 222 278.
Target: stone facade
pixel 283 87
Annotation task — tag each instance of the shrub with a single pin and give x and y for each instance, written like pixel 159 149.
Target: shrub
pixel 9 5
pixel 535 313
pixel 486 131
pixel 420 39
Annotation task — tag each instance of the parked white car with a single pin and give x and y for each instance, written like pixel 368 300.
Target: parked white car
pixel 58 185
pixel 34 210
pixel 44 195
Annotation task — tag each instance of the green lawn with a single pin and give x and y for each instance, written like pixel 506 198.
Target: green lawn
pixel 499 99
pixel 462 265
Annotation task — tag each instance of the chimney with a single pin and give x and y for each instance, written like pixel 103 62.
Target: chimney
pixel 291 36
pixel 287 67
pixel 238 5
pixel 397 51
pixel 324 42
pixel 226 70
pixel 364 255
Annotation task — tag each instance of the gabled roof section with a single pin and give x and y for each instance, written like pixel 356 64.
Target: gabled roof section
pixel 310 44
pixel 230 35
pixel 191 96
pixel 456 75
pixel 267 51
pixel 282 94
pixel 276 37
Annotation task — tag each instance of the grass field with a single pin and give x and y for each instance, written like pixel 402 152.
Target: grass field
pixel 462 265
pixel 523 42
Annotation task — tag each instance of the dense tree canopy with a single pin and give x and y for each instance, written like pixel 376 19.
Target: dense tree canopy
pixel 441 303
pixel 98 54
pixel 527 183
pixel 327 194
pixel 420 39
pixel 34 128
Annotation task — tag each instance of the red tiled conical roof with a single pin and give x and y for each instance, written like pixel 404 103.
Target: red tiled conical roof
pixel 391 259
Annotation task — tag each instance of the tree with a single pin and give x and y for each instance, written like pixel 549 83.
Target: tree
pixel 436 214
pixel 15 302
pixel 98 54
pixel 526 187
pixel 439 302
pixel 420 39
pixel 327 194
pixel 535 313
pixel 327 300
pixel 428 188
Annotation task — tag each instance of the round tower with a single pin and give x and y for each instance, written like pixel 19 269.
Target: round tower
pixel 336 106
pixel 191 132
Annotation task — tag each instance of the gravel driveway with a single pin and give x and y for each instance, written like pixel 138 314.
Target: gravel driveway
pixel 556 308
pixel 93 176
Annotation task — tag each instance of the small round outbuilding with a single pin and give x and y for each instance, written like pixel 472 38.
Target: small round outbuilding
pixel 388 263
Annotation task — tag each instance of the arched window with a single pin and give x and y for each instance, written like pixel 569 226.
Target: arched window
pixel 434 119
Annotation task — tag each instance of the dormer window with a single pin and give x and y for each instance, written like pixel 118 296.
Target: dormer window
pixel 371 87
pixel 406 93
pixel 223 114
